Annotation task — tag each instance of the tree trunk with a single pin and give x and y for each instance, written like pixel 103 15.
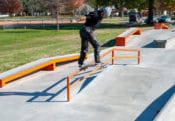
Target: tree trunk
pixel 150 12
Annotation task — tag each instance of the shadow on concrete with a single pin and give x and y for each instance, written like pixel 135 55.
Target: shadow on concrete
pixel 109 43
pixel 52 95
pixel 86 83
pixel 45 96
pixel 36 95
pixel 149 45
pixel 24 93
pixel 154 108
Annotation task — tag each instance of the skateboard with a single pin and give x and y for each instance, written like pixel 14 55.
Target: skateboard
pixel 102 66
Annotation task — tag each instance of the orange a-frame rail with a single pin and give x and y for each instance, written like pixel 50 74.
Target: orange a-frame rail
pixel 112 52
pixel 121 39
pixel 47 64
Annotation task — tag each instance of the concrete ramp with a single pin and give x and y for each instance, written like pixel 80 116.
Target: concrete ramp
pixel 147 38
pixel 124 93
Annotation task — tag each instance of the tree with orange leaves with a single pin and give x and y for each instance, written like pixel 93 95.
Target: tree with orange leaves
pixel 10 6
pixel 75 3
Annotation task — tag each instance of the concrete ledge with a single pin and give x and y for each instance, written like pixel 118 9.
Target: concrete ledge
pixel 41 64
pixel 165 42
pixel 121 39
pixel 160 43
pixel 168 111
pixel 170 43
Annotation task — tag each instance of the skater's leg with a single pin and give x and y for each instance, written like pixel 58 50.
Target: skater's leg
pixel 83 52
pixel 84 45
pixel 96 47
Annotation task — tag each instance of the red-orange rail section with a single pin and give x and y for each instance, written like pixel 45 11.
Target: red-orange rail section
pixel 160 26
pixel 121 39
pixel 96 68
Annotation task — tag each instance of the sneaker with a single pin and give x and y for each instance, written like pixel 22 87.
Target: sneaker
pixel 81 65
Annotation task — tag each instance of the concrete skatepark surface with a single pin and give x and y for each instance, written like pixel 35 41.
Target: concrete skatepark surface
pixel 121 92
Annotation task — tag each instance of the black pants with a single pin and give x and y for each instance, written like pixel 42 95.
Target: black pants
pixel 87 35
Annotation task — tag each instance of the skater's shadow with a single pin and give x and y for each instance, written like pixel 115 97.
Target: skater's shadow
pixel 51 93
pixel 109 43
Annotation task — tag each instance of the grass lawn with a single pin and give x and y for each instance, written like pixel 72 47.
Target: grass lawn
pixel 21 46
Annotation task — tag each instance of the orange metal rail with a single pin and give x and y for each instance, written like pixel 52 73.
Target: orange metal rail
pixel 112 52
pixel 48 65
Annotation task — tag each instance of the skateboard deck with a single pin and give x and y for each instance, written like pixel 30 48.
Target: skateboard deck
pixel 93 65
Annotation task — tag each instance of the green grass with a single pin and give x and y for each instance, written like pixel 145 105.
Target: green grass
pixel 21 46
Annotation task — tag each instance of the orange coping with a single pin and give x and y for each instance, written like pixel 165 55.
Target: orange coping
pixel 48 65
pixel 121 39
pixel 160 26
pixel 45 66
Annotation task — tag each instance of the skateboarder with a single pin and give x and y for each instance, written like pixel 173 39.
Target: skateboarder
pixel 87 34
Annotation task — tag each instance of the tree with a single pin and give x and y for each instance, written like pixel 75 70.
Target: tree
pixel 25 7
pixel 75 3
pixel 168 5
pixel 150 11
pixel 35 6
pixel 162 4
pixel 92 3
pixel 102 2
pixel 10 7
pixel 54 6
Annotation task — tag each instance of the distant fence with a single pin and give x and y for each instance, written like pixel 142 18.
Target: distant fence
pixel 34 23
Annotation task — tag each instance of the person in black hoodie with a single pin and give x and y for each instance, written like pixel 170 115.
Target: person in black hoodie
pixel 87 34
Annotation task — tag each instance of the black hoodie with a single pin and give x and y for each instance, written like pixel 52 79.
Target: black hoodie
pixel 93 18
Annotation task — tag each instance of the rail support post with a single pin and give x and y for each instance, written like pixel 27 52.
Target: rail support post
pixel 113 54
pixel 138 56
pixel 2 83
pixel 68 89
pixel 50 67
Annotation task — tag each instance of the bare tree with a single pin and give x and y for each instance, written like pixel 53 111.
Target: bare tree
pixel 61 7
pixel 35 6
pixel 10 7
pixel 53 6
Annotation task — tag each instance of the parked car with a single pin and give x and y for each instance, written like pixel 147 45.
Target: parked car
pixel 164 19
pixel 154 19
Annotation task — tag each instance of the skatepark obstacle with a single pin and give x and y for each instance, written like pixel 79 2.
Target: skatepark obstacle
pixel 160 26
pixel 41 64
pixel 96 68
pixel 121 39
